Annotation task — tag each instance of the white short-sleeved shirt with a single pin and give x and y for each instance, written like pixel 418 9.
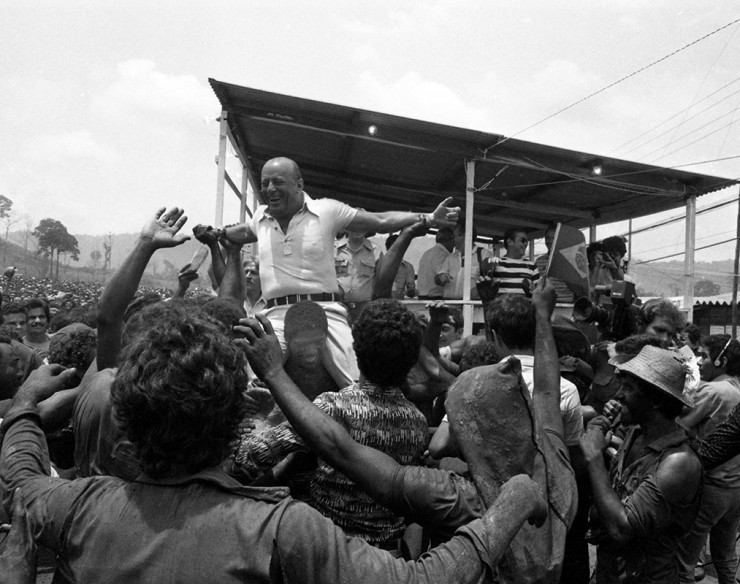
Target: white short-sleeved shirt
pixel 570 401
pixel 300 261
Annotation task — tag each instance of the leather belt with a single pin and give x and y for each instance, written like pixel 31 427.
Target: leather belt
pixel 293 298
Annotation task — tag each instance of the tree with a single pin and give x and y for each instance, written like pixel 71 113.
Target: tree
pixel 53 237
pixel 5 206
pixel 107 247
pixel 95 257
pixel 706 288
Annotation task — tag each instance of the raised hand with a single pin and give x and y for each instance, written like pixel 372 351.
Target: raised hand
pixel 45 382
pixel 260 344
pixel 206 234
pixel 444 215
pixel 544 296
pixel 163 229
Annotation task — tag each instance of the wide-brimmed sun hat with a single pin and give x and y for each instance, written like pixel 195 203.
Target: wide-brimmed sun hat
pixel 661 368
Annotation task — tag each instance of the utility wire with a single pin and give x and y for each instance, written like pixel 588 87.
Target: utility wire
pixel 695 141
pixel 618 81
pixel 706 74
pixel 673 255
pixel 694 131
pixel 653 139
pixel 646 132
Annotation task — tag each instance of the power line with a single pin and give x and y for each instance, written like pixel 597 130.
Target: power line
pixel 678 125
pixel 618 81
pixel 681 217
pixel 695 141
pixel 673 255
pixel 618 148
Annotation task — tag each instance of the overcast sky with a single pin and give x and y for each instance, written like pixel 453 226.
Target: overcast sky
pixel 106 112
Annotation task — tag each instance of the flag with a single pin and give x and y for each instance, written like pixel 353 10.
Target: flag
pixel 568 259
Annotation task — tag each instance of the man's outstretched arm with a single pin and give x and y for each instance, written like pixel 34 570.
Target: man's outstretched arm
pixel 160 231
pixel 387 268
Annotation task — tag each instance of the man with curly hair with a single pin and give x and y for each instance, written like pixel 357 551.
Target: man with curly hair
pixel 387 339
pixel 178 394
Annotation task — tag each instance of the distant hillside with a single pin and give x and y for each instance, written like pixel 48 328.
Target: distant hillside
pixel 667 278
pixel 653 279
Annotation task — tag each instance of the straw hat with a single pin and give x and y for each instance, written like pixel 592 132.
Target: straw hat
pixel 661 368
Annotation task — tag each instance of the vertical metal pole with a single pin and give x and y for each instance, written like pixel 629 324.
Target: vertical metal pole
pixel 592 233
pixel 469 200
pixel 243 195
pixel 221 161
pixel 688 294
pixel 735 277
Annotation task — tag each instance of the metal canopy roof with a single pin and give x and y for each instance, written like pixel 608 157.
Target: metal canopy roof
pixel 413 165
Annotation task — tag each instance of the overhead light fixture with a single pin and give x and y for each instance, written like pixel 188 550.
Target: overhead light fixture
pixel 372 129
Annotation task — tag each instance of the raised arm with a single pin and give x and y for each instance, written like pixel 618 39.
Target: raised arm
pixel 208 236
pixel 162 230
pixel 388 267
pixel 184 277
pixel 389 221
pixel 546 392
pixel 234 283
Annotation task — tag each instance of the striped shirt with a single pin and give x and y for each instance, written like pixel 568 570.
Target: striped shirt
pixel 379 417
pixel 509 273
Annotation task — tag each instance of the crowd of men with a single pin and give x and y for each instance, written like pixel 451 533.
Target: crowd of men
pixel 303 425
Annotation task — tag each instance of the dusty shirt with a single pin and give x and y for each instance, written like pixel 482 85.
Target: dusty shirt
pixel 651 557
pixel 381 418
pixel 301 260
pixel 202 528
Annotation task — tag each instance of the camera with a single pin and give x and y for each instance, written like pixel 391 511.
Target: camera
pixel 615 313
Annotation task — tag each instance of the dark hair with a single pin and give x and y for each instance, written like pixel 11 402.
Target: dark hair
pixel 659 307
pixel 387 339
pixel 715 345
pixel 142 319
pixel 633 345
pixel 303 315
pixel 512 318
pixel 511 232
pixel 614 244
pixel 82 314
pixel 693 333
pixel 33 303
pixel 178 393
pixel 457 318
pixel 13 308
pixel 74 348
pixel 227 311
pixel 479 355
